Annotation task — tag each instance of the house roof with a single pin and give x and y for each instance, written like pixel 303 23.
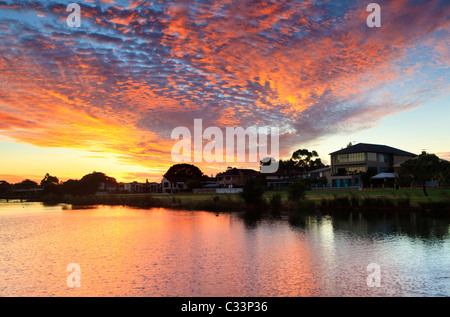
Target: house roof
pixel 384 175
pixel 415 158
pixel 176 179
pixel 238 171
pixel 376 148
pixel 320 170
pixel 285 172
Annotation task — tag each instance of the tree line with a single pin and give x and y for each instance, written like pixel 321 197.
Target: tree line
pixel 87 185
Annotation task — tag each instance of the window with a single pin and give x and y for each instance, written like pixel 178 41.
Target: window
pixel 386 158
pixel 352 157
pixel 372 157
pixel 342 158
pixel 356 170
pixel 356 157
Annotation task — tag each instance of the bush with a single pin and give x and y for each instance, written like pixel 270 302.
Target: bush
pixel 253 191
pixel 297 190
pixel 275 201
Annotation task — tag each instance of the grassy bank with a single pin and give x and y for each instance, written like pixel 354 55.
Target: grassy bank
pixel 415 195
pixel 207 202
pixel 379 200
pixel 326 201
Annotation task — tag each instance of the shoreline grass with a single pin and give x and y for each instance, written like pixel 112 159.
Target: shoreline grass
pixel 275 202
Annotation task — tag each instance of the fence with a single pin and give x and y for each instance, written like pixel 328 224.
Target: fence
pixel 217 190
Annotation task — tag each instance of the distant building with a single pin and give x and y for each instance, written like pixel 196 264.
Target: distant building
pixel 108 187
pixel 133 187
pixel 348 164
pixel 321 172
pixel 153 187
pixel 281 179
pixel 235 177
pixel 28 192
pixel 172 184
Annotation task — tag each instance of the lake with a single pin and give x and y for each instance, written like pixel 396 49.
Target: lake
pixel 120 251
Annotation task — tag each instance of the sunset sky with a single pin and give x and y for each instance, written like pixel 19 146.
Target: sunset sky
pixel 106 96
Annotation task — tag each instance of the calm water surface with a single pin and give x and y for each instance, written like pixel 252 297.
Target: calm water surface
pixel 159 252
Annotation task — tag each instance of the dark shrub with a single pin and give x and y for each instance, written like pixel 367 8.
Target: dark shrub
pixel 275 201
pixel 297 190
pixel 253 191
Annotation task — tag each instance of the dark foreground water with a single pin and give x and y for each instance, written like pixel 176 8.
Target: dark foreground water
pixel 117 251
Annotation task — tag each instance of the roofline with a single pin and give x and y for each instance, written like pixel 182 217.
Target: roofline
pixel 371 144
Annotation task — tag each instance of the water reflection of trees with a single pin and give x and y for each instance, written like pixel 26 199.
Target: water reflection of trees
pixel 415 225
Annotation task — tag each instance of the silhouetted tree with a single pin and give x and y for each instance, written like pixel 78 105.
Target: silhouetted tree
pixel 403 178
pixel 90 183
pixel 26 184
pixel 49 180
pixel 302 160
pixel 366 177
pixel 51 186
pixel 184 170
pixel 443 175
pixel 422 169
pixel 5 188
pixel 87 185
pixel 72 187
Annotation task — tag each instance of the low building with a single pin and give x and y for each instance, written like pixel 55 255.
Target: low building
pixel 108 187
pixel 235 177
pixel 324 172
pixel 172 185
pixel 320 172
pixel 348 164
pixel 134 187
pixel 153 187
pixel 281 179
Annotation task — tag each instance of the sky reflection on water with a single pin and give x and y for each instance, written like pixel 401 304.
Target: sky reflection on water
pixel 159 252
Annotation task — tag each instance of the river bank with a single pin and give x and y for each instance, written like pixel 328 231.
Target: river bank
pixel 353 201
